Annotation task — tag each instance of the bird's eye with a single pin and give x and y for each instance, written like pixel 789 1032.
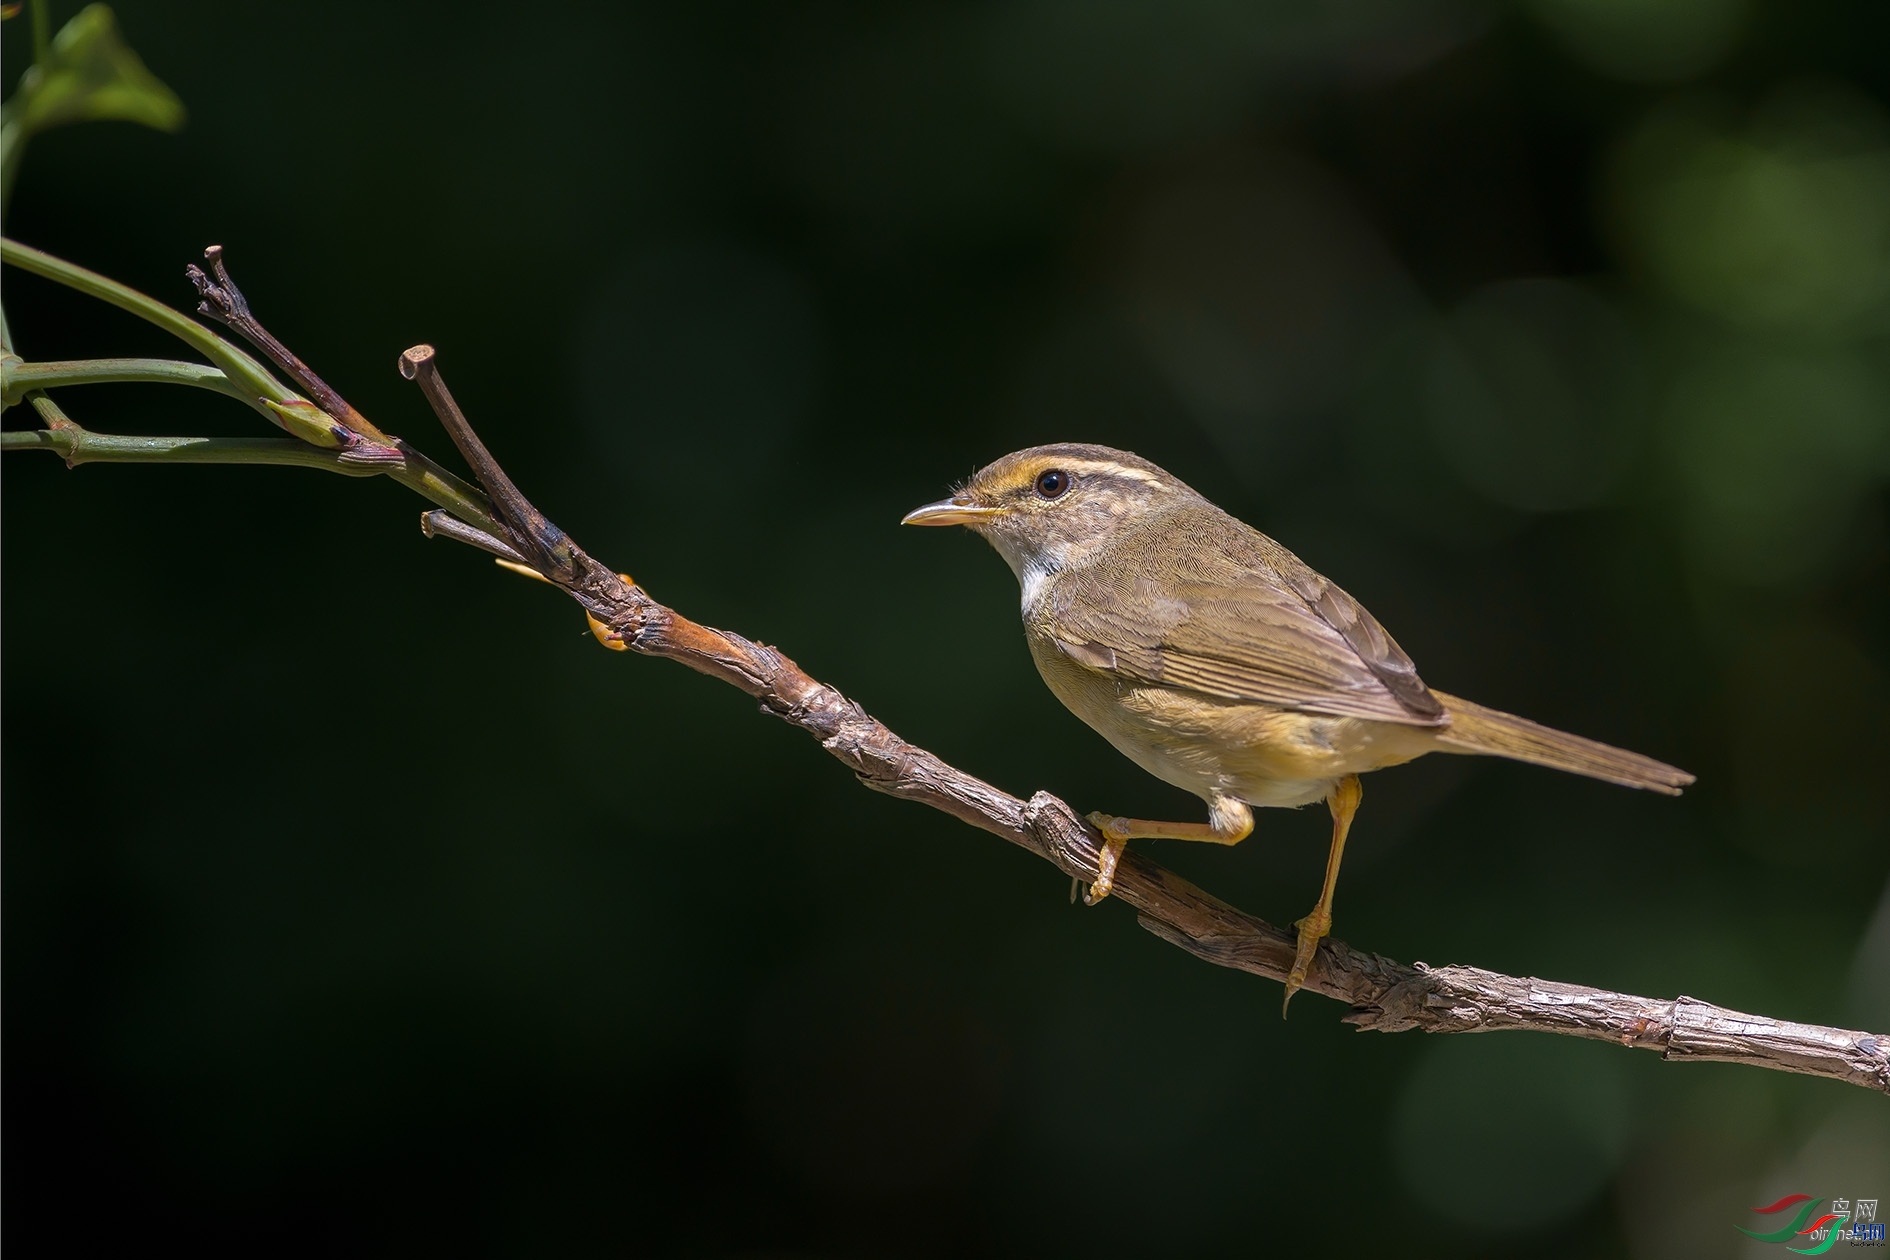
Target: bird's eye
pixel 1052 484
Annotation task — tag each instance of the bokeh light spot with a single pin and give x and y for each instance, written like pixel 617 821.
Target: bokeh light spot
pixel 1783 222
pixel 1646 40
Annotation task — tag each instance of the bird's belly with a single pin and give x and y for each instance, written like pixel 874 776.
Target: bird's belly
pixel 1256 753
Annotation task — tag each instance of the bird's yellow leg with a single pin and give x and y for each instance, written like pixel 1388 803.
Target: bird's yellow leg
pixel 1231 822
pixel 1313 928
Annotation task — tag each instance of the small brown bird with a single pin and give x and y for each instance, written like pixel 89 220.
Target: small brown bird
pixel 1218 661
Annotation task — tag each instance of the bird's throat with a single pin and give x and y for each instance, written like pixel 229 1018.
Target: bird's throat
pixel 1034 565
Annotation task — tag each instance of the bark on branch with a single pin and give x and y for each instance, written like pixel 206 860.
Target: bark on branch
pixel 1382 995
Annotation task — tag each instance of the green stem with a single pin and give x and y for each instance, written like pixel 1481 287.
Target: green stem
pixel 79 446
pixel 432 482
pixel 252 376
pixel 49 411
pixel 21 377
pixel 42 33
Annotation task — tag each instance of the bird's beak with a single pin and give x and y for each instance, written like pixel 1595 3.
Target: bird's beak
pixel 957 510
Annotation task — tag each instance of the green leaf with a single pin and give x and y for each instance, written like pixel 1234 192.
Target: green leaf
pixel 90 75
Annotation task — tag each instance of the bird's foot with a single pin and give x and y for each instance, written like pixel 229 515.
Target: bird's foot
pixel 1115 833
pixel 603 633
pixel 1312 929
pixel 599 631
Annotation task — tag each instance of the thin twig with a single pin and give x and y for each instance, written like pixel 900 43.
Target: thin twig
pixel 416 364
pixel 442 524
pixel 543 545
pixel 361 441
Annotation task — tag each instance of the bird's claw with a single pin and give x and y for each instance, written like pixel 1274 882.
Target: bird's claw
pixel 1312 929
pixel 1115 842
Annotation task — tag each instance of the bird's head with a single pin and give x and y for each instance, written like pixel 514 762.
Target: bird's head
pixel 1048 507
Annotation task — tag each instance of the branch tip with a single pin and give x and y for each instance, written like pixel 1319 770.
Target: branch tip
pixel 225 303
pixel 221 299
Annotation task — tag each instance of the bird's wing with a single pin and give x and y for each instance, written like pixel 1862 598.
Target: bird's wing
pixel 1239 620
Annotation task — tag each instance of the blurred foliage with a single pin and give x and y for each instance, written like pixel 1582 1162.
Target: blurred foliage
pixel 1554 331
pixel 86 74
pixel 1648 40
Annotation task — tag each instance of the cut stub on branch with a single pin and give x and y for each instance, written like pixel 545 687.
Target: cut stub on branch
pixel 540 544
pixel 440 523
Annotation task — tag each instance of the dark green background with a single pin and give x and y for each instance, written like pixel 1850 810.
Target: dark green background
pixel 356 902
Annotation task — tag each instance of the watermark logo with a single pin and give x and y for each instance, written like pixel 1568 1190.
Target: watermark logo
pixel 1846 1221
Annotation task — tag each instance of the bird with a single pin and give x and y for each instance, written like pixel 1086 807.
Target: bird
pixel 1220 662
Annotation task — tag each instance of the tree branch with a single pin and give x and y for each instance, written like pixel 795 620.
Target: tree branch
pixel 1383 995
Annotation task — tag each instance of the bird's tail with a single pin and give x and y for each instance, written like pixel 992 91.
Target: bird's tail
pixel 1475 729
